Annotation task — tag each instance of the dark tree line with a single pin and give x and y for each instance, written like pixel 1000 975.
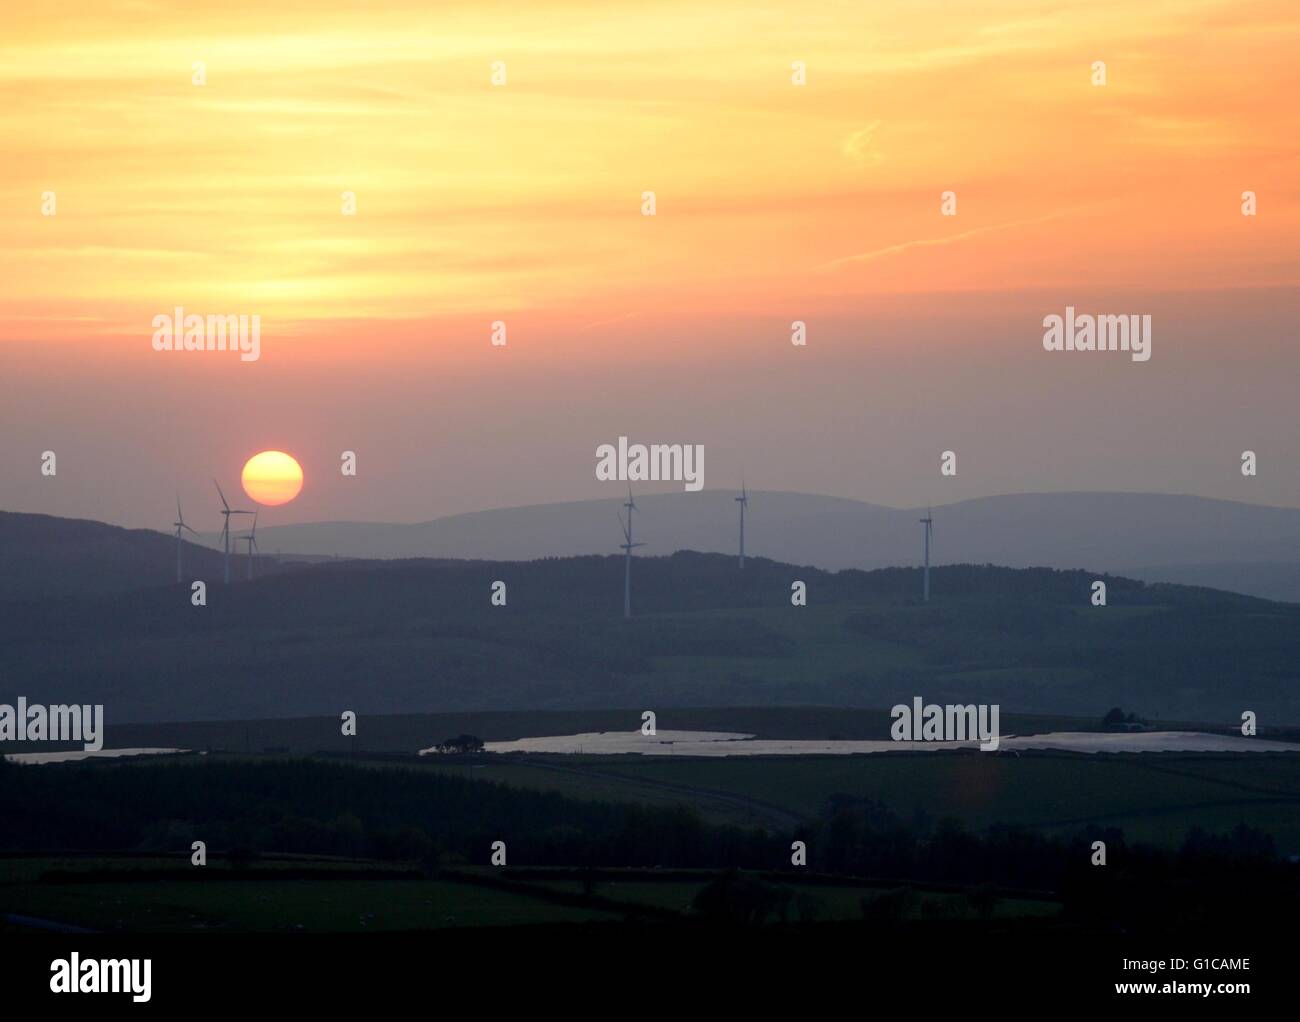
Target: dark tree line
pixel 413 814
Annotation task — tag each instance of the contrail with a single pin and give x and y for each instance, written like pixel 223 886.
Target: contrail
pixel 863 257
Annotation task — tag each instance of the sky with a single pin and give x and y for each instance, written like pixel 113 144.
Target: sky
pixel 521 201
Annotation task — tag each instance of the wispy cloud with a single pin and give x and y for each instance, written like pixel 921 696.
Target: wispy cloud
pixel 607 322
pixel 950 239
pixel 858 149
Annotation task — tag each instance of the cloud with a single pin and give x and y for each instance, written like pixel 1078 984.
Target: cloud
pixel 858 150
pixel 974 232
pixel 608 322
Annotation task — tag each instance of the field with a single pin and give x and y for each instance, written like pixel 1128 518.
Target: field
pixel 1154 798
pixel 403 734
pixel 385 842
pixel 315 900
pixel 101 893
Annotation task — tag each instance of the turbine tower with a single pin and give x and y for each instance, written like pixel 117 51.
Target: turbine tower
pixel 180 527
pixel 928 529
pixel 743 501
pixel 225 528
pixel 251 539
pixel 627 546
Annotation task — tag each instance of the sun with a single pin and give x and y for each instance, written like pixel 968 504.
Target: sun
pixel 272 478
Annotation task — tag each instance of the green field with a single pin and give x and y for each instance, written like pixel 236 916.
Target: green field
pixel 327 904
pixel 812 901
pixel 1156 798
pixel 381 843
pixel 268 905
pixel 403 734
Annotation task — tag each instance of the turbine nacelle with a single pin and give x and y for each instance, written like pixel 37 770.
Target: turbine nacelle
pixel 927 534
pixel 250 537
pixel 181 528
pixel 227 511
pixel 626 526
pixel 743 501
pixel 180 520
pixel 627 546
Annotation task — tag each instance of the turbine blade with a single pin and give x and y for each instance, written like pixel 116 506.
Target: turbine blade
pixel 187 528
pixel 222 495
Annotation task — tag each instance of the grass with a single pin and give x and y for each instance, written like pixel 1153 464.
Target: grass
pixel 823 902
pixel 407 733
pixel 254 906
pixel 328 904
pixel 1154 797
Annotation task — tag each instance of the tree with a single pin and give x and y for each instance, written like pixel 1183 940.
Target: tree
pixel 462 744
pixel 735 898
pixel 984 900
pixel 242 857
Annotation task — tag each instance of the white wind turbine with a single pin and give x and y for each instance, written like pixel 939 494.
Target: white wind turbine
pixel 627 546
pixel 743 501
pixel 928 528
pixel 225 528
pixel 251 539
pixel 180 543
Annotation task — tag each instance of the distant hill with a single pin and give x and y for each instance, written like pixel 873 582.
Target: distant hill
pixel 423 637
pixel 1247 548
pixel 1272 580
pixel 43 556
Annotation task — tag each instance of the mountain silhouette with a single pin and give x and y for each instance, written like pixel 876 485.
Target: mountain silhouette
pixel 42 556
pixel 424 636
pixel 1246 548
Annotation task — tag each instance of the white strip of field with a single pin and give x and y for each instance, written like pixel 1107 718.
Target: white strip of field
pixel 73 755
pixel 726 743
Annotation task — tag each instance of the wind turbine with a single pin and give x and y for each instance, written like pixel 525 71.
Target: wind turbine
pixel 928 523
pixel 225 528
pixel 627 548
pixel 743 501
pixel 180 526
pixel 251 539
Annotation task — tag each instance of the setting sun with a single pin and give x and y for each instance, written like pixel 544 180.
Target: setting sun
pixel 272 478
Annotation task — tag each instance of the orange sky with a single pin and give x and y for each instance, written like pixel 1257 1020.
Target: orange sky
pixel 522 202
pixel 485 200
